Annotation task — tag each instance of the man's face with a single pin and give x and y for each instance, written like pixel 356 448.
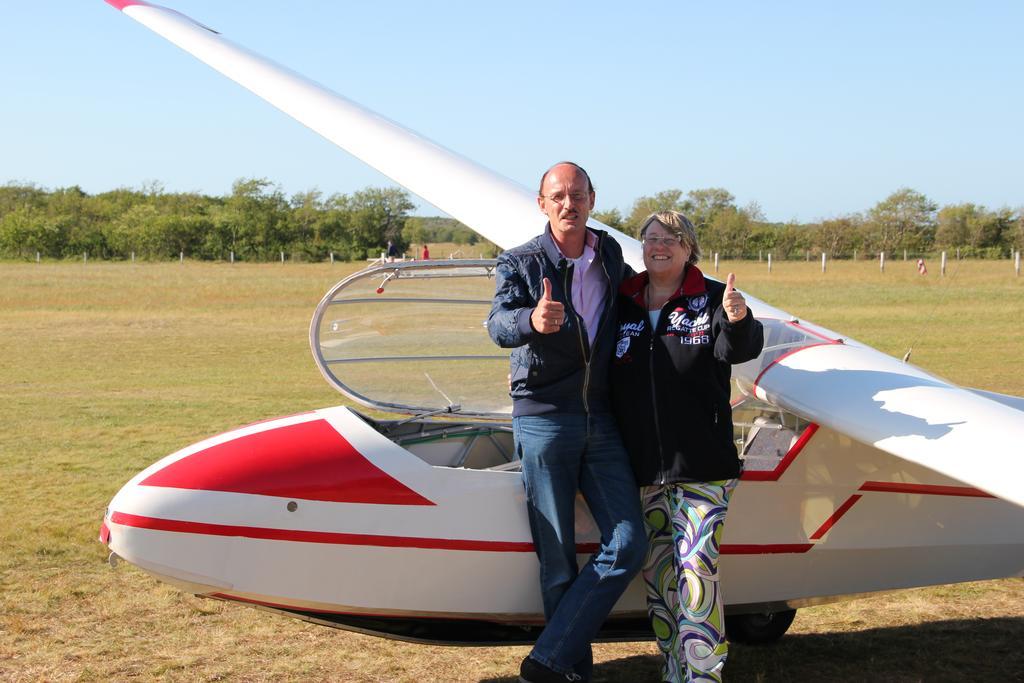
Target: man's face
pixel 566 199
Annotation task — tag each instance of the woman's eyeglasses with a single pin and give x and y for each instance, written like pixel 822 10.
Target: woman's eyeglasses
pixel 666 241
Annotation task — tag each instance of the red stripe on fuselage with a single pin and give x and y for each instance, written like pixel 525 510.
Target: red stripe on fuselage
pixel 305 461
pixel 763 548
pixel 834 517
pixel 331 537
pixel 787 460
pixel 924 489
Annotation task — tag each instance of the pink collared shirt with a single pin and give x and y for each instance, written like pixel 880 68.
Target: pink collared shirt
pixel 589 287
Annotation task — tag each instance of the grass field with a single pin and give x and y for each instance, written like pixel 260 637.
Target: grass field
pixel 104 368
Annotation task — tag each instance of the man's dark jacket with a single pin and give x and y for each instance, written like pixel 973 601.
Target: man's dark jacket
pixel 560 371
pixel 670 389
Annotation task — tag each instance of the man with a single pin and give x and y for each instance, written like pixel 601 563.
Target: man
pixel 554 306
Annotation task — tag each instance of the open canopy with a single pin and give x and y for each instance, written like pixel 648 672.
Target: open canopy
pixel 411 337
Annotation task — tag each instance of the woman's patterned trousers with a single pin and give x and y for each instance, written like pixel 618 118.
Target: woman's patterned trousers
pixel 684 600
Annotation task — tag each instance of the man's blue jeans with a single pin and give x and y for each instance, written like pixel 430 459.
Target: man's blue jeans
pixel 563 453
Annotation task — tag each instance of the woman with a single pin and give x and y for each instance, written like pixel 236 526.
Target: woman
pixel 678 336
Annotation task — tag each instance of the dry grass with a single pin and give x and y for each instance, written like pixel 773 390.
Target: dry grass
pixel 107 367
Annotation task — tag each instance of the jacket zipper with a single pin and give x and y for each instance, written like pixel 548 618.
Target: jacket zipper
pixel 567 288
pixel 654 411
pixel 654 399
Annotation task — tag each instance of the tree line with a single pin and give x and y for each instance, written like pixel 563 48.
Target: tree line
pixel 257 222
pixel 906 220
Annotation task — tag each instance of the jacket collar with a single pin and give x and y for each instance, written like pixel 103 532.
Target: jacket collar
pixel 547 243
pixel 693 283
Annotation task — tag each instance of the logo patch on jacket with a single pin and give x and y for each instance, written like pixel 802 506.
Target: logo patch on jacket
pixel 626 332
pixel 697 303
pixel 691 328
pixel 622 347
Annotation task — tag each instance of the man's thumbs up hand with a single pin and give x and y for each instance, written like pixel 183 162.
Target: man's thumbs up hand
pixel 549 315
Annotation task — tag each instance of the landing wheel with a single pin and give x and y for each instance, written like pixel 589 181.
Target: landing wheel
pixel 758 629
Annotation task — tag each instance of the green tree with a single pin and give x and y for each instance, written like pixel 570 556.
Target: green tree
pixel 666 200
pixel 1014 234
pixel 378 215
pixel 612 218
pixel 17 195
pixel 728 232
pixel 903 220
pixel 701 206
pixel 414 231
pixel 27 229
pixel 837 237
pixel 253 220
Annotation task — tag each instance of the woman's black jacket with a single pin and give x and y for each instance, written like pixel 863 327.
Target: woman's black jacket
pixel 670 390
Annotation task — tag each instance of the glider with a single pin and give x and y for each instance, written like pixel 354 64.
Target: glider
pixel 862 473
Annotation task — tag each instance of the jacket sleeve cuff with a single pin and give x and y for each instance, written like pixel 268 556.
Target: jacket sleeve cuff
pixel 740 324
pixel 523 325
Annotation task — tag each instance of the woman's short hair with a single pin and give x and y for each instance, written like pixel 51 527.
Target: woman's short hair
pixel 678 225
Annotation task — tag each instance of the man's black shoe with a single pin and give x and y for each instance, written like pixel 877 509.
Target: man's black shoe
pixel 532 671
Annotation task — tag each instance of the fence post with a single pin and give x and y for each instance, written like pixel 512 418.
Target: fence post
pixel 958 253
pixel 133 257
pixel 807 255
pixel 282 257
pixel 854 254
pixel 85 257
pixel 332 258
pixel 181 257
pixel 769 261
pixel 1016 263
pixel 904 254
pixel 37 257
pixel 716 261
pixel 232 257
pixel 823 262
pixel 881 261
pixel 942 267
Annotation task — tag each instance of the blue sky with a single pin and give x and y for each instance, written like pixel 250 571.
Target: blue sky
pixel 811 109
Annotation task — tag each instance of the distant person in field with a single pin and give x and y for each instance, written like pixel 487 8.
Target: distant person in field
pixel 392 252
pixel 554 306
pixel 426 252
pixel 921 268
pixel 677 337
